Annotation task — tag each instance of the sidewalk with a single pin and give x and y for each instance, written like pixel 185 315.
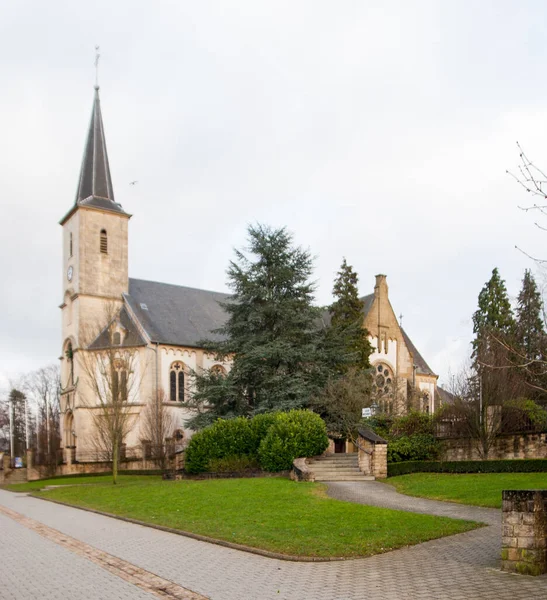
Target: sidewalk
pixel 458 567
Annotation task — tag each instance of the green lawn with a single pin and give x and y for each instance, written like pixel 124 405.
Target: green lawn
pixel 271 513
pixel 33 486
pixel 479 489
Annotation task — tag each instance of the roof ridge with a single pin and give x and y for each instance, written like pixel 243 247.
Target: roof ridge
pixel 186 287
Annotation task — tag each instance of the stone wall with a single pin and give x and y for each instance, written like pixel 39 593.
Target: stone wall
pixel 372 454
pixel 526 445
pixel 524 534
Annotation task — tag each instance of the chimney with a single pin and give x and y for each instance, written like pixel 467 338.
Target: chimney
pixel 381 289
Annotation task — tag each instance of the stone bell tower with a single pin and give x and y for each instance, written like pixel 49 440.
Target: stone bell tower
pixel 94 268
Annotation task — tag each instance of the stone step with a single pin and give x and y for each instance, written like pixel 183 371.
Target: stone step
pixel 348 469
pixel 323 472
pixel 335 460
pixel 344 478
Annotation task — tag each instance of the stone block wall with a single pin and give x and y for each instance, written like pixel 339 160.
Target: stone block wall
pixel 524 532
pixel 506 447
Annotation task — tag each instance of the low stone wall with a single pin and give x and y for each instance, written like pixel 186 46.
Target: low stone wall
pixel 524 532
pixel 372 453
pixel 506 447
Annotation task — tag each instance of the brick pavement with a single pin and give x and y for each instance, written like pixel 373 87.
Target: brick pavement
pixel 34 567
pixel 458 567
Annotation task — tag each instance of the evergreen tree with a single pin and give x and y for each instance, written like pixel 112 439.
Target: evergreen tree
pixel 347 319
pixel 530 329
pixel 279 357
pixel 493 318
pixel 530 337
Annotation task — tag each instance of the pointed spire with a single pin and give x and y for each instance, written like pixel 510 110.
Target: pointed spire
pixel 95 184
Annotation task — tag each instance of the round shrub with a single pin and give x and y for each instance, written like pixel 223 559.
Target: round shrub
pixel 294 434
pixel 414 447
pixel 223 438
pixel 260 424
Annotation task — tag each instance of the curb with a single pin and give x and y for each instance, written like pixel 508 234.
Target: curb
pixel 204 538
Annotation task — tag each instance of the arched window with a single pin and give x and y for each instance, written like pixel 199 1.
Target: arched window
pixel 70 245
pixel 119 389
pixel 382 385
pixel 176 382
pixel 218 370
pixel 104 242
pixel 116 338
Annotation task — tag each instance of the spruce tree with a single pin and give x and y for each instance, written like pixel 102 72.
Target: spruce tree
pixel 347 319
pixel 530 329
pixel 530 338
pixel 493 317
pixel 272 334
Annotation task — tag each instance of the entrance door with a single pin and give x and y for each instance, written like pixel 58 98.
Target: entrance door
pixel 339 446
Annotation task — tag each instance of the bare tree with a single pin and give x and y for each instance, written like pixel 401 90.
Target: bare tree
pixel 43 387
pixel 113 376
pixel 488 403
pixel 157 426
pixel 534 180
pixel 341 401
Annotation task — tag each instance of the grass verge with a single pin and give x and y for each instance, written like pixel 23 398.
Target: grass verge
pixel 478 489
pixel 273 514
pixel 33 486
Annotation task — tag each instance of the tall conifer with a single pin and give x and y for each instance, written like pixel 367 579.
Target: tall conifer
pixel 530 329
pixel 493 317
pixel 272 335
pixel 347 318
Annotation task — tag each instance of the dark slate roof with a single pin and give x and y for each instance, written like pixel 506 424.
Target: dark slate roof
pixel 132 336
pixel 445 396
pixel 95 183
pixel 369 435
pixel 367 301
pixel 173 314
pixel 419 361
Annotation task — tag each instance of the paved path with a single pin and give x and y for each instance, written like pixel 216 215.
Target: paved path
pixel 457 568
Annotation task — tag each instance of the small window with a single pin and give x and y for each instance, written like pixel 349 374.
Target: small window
pixel 173 385
pixel 70 245
pixel 104 242
pixel 117 338
pixel 181 386
pixel 176 382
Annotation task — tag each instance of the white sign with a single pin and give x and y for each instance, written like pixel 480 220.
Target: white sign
pixel 366 412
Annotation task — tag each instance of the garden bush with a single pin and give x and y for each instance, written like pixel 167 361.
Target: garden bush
pixel 413 447
pixel 234 464
pixel 295 433
pixel 468 466
pixel 409 437
pixel 232 437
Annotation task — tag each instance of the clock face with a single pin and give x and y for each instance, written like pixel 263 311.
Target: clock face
pixel 69 273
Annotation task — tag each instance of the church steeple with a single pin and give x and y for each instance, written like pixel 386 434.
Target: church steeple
pixel 95 180
pixel 95 183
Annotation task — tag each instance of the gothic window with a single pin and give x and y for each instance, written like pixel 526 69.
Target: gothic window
pixel 70 245
pixel 116 338
pixel 119 383
pixel 176 382
pixel 383 387
pixel 104 242
pixel 218 370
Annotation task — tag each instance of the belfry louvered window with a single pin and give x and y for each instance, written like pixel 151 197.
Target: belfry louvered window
pixel 176 382
pixel 104 242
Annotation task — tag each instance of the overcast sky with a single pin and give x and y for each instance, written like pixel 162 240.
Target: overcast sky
pixel 379 131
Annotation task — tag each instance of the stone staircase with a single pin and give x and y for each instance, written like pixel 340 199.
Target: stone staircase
pixel 337 467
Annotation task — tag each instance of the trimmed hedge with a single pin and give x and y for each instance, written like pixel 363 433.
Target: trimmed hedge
pixel 222 439
pixel 273 439
pixel 295 433
pixel 518 465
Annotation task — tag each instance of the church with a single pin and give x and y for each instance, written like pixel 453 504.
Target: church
pixel 160 325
